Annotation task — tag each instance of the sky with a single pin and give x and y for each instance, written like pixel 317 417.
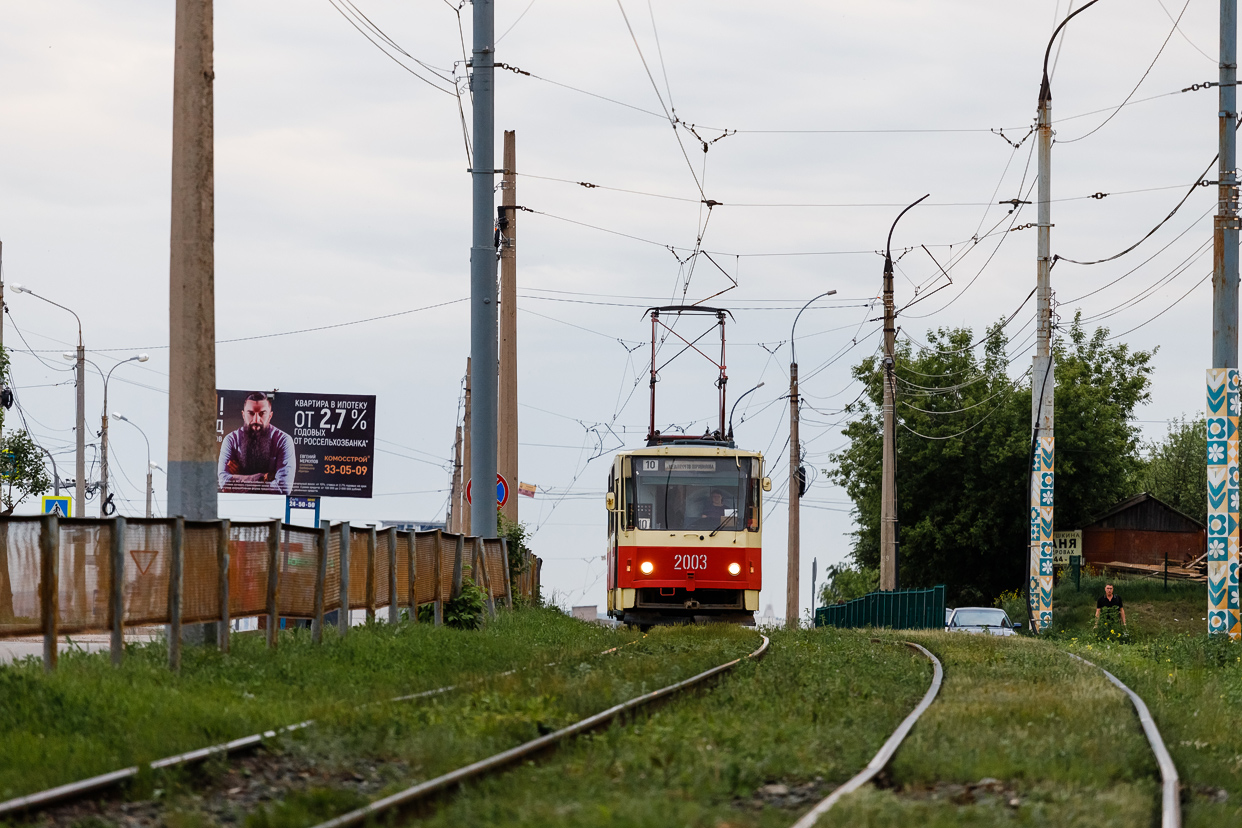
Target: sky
pixel 343 220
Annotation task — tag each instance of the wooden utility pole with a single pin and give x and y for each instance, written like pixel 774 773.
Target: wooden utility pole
pixel 465 459
pixel 890 554
pixel 192 448
pixel 455 498
pixel 507 419
pixel 793 561
pixel 888 479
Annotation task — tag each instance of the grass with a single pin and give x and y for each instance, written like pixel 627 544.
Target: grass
pixel 89 718
pixel 1191 682
pixel 1020 711
pixel 1150 610
pixel 812 712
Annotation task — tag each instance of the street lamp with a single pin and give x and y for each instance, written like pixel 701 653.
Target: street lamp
pixel 116 415
pixel 795 480
pixel 103 439
pixel 79 379
pixel 734 408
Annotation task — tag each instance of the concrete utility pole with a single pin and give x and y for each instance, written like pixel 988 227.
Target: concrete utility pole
pixel 483 277
pixel 1043 381
pixel 1225 235
pixel 793 565
pixel 890 555
pixel 507 438
pixel 192 448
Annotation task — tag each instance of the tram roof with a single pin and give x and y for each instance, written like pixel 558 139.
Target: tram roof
pixel 691 450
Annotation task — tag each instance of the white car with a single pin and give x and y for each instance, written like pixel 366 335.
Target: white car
pixel 985 620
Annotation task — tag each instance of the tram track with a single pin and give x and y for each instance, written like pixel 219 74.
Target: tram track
pixel 41 800
pixel 1170 810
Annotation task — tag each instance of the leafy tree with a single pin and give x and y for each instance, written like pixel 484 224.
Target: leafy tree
pixel 23 473
pixel 515 534
pixel 1176 472
pixel 963 449
pixel 845 583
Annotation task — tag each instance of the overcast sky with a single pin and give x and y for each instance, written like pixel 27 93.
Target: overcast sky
pixel 342 195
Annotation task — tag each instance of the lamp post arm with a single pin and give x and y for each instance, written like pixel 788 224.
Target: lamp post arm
pixel 1045 88
pixel 792 353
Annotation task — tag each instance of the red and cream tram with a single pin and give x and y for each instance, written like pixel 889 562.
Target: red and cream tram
pixel 685 520
pixel 685 534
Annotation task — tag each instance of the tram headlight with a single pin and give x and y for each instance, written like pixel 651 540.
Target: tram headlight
pixel 735 568
pixel 646 567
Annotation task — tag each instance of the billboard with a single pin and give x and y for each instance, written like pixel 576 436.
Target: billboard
pixel 287 443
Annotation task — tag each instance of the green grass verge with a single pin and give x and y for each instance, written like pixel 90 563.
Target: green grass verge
pixel 89 718
pixel 1052 730
pixel 1150 609
pixel 816 708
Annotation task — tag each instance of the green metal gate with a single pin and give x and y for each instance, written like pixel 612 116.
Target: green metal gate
pixel 911 609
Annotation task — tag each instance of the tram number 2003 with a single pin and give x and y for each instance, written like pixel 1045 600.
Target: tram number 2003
pixel 689 562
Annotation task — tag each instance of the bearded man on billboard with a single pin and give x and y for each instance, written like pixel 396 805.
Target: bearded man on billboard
pixel 257 458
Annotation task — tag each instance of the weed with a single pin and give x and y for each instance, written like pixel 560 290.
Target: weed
pixel 302 808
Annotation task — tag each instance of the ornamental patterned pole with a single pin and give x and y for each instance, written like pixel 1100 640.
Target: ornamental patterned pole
pixel 1223 407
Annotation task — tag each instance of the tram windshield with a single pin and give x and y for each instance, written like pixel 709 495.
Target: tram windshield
pixel 695 493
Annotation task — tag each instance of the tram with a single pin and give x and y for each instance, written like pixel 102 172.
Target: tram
pixel 685 520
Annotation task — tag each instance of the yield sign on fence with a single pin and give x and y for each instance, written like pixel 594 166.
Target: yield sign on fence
pixel 143 558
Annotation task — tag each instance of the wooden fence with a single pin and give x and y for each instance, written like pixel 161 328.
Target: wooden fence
pixel 64 576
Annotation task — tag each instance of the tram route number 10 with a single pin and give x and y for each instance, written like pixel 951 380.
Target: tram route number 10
pixel 651 465
pixel 689 562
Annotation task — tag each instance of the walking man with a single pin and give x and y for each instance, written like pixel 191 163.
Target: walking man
pixel 1110 600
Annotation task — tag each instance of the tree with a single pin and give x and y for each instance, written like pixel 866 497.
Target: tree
pixel 22 473
pixel 844 583
pixel 1176 472
pixel 963 449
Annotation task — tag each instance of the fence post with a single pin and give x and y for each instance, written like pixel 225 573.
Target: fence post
pixel 412 574
pixel 342 619
pixel 372 575
pixel 437 564
pixel 458 551
pixel 116 591
pixel 480 554
pixel 223 531
pixel 176 563
pixel 504 554
pixel 321 574
pixel 49 587
pixel 394 609
pixel 273 582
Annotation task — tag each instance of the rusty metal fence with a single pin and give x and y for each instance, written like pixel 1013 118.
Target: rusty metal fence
pixel 67 576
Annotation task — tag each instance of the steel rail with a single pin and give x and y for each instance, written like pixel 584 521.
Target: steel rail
pixel 426 789
pixel 72 790
pixel 1171 806
pixel 882 758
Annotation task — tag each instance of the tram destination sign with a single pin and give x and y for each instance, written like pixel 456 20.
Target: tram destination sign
pixel 295 444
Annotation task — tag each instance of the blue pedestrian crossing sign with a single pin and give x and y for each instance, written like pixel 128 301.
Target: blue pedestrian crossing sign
pixel 58 505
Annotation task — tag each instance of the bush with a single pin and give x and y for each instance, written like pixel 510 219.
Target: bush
pixel 1013 603
pixel 842 583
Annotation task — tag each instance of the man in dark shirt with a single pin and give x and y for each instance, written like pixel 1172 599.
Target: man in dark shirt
pixel 258 457
pixel 1110 600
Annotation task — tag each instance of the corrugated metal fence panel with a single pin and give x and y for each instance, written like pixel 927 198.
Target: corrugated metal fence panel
pixel 425 550
pixel 147 544
pixel 200 581
pixel 299 565
pixel 448 554
pixel 332 577
pixel 382 598
pixel 358 539
pixel 248 568
pixel 85 571
pixel 911 609
pixel 19 577
pixel 404 542
pixel 494 559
